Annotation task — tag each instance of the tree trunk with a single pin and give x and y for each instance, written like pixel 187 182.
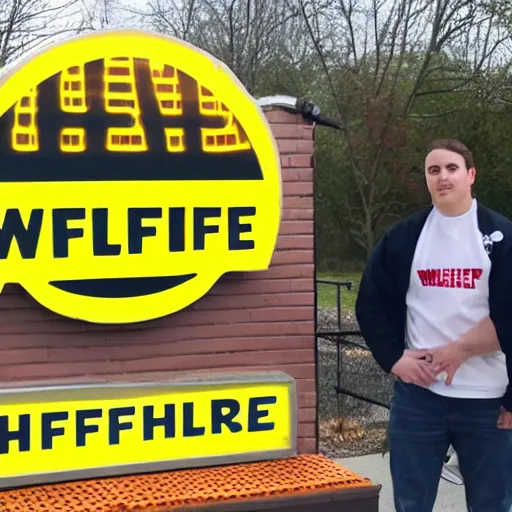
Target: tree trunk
pixel 369 234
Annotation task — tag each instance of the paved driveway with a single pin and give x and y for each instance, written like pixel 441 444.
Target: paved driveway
pixel 450 497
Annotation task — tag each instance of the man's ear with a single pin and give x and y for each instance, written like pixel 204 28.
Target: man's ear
pixel 472 174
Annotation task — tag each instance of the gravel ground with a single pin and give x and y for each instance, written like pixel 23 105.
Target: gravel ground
pixel 352 427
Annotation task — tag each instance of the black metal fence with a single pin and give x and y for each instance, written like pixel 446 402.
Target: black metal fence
pixel 340 338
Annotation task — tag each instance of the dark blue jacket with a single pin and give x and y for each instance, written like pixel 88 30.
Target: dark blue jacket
pixel 381 307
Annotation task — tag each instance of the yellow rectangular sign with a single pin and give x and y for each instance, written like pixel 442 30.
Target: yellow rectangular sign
pixel 62 433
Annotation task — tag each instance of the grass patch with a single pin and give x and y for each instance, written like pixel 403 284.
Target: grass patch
pixel 327 292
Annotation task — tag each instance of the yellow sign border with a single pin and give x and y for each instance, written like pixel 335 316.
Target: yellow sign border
pixel 16 80
pixel 8 395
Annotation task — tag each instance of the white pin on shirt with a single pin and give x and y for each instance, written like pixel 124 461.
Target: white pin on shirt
pixel 489 240
pixel 497 236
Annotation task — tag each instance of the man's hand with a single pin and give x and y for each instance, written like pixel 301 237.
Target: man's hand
pixel 449 358
pixel 505 419
pixel 412 368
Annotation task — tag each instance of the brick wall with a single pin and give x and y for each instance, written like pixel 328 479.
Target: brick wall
pixel 262 320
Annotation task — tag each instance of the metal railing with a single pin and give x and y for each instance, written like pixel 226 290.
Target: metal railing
pixel 339 338
pixel 339 285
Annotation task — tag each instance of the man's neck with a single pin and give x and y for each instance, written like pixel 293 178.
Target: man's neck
pixel 456 210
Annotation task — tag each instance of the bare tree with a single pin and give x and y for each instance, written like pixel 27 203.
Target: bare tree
pixel 101 14
pixel 383 61
pixel 174 17
pixel 27 24
pixel 245 34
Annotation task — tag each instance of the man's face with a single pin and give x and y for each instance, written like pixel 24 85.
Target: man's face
pixel 448 179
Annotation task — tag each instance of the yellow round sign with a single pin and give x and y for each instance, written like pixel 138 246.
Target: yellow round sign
pixel 135 170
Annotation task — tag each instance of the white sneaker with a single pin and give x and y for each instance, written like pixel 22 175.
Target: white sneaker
pixel 452 474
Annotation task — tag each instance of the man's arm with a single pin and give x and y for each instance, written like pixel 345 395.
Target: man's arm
pixel 480 340
pixel 374 302
pixel 376 326
pixel 491 343
pixel 500 305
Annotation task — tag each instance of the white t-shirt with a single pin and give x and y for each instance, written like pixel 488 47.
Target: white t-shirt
pixel 448 295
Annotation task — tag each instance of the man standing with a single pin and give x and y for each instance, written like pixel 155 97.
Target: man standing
pixel 435 309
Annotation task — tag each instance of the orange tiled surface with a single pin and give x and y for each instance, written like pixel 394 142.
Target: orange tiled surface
pixel 165 491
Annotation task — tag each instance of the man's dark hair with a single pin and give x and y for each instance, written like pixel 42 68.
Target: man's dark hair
pixel 457 147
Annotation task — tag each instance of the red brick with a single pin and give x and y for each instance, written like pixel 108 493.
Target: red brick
pixel 296 242
pixel 302 384
pixel 14 327
pixel 247 287
pixel 294 256
pixel 167 363
pixel 283 314
pixel 296 371
pixel 60 381
pixel 285 162
pixel 215 332
pixel 302 373
pixel 298 202
pixel 290 175
pixel 253 301
pixel 307 430
pixel 79 354
pixel 301 161
pixel 298 214
pixel 307 131
pixel 38 314
pixel 224 361
pixel 280 272
pixel 279 116
pixel 293 227
pixel 294 174
pixel 289 146
pixel 15 301
pixel 290 131
pixel 307 415
pixel 195 318
pixel 298 188
pixel 53 370
pixel 302 285
pixel 17 356
pixel 305 146
pixel 306 385
pixel 133 351
pixel 306 445
pixel 51 335
pixel 307 399
pixel 267 286
pixel 307 175
pixel 41 339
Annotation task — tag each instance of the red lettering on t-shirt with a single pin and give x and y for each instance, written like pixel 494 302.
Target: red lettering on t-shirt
pixel 450 277
pixel 476 274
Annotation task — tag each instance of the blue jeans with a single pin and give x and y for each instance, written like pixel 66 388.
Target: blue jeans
pixel 423 425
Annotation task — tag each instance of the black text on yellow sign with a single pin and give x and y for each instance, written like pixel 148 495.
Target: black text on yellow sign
pixel 224 414
pixel 234 220
pixel 53 434
pixel 136 171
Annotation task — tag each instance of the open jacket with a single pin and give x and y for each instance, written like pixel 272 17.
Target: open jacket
pixel 381 302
